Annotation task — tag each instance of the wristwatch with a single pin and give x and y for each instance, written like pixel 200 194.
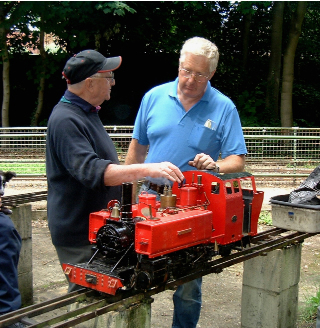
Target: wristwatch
pixel 217 168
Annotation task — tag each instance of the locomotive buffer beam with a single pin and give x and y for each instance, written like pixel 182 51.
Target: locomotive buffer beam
pixel 97 304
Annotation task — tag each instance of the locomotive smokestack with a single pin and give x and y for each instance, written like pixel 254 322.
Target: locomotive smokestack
pixel 126 208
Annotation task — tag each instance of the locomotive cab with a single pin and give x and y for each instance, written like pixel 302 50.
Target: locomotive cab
pixel 233 199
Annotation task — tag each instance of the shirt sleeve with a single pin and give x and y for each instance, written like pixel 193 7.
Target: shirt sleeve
pixel 140 125
pixel 232 142
pixel 76 155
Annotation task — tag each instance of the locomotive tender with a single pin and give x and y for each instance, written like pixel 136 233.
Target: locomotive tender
pixel 147 244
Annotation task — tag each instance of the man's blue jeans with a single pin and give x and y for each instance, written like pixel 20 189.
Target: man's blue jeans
pixel 187 298
pixel 187 304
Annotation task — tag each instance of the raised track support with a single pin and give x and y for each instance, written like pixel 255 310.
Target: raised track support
pixel 21 217
pixel 127 315
pixel 270 289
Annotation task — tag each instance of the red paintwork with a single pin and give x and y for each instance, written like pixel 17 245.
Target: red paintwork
pixel 209 209
pixel 227 205
pixel 226 209
pixel 173 232
pixel 104 283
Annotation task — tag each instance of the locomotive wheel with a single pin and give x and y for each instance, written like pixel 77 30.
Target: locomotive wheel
pixel 224 251
pixel 143 280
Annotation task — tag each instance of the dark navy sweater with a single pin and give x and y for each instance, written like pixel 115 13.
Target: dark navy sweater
pixel 78 151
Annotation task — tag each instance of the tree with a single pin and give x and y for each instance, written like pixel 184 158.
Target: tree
pixel 306 88
pixel 288 64
pixel 6 67
pixel 273 79
pixel 245 7
pixel 43 56
pixel 149 42
pixel 14 18
pixel 51 14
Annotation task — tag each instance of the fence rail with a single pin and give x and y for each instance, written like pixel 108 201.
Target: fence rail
pixel 290 147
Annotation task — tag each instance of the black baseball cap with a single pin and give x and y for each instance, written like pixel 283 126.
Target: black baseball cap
pixel 87 63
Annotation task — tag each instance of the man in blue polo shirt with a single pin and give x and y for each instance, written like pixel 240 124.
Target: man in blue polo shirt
pixel 191 124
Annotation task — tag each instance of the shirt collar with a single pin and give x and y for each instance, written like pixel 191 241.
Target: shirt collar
pixel 83 104
pixel 173 91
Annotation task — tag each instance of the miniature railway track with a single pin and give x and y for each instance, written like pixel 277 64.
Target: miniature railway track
pixel 269 175
pixel 55 310
pixel 16 200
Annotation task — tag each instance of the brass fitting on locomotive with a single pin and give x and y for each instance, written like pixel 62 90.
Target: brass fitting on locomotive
pixel 167 199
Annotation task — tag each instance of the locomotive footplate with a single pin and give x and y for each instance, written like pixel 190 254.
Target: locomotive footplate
pixel 98 276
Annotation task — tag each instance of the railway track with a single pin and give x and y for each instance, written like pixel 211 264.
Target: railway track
pixel 57 312
pixel 16 200
pixel 263 175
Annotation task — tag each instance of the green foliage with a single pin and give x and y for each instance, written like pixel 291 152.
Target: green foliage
pixel 309 312
pixel 118 147
pixel 306 95
pixel 144 32
pixel 114 7
pixel 250 104
pixel 249 7
pixel 265 218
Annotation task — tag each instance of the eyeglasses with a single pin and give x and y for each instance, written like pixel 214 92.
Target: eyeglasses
pixel 109 78
pixel 197 76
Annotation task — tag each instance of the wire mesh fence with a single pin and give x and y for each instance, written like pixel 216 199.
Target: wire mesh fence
pixel 289 147
pixel 294 146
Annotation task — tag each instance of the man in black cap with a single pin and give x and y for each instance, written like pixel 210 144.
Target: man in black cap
pixel 83 170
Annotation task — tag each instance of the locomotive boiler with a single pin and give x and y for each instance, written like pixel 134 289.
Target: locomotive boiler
pixel 146 244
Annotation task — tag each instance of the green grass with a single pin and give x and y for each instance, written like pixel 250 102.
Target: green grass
pixel 24 168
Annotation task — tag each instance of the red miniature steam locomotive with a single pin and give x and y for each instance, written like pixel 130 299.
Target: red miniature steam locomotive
pixel 146 244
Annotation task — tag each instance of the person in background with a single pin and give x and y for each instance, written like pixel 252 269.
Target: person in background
pixel 83 171
pixel 10 247
pixel 191 124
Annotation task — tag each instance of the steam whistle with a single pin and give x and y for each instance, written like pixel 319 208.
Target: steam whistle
pixel 115 212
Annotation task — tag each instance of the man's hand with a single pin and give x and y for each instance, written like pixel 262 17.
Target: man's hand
pixel 165 170
pixel 116 174
pixel 203 162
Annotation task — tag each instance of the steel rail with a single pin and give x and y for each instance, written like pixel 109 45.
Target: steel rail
pixel 15 200
pixel 44 307
pixel 261 244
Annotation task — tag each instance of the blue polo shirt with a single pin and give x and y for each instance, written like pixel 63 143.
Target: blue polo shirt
pixel 177 136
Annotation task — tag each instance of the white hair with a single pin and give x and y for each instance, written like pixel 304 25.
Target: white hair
pixel 203 47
